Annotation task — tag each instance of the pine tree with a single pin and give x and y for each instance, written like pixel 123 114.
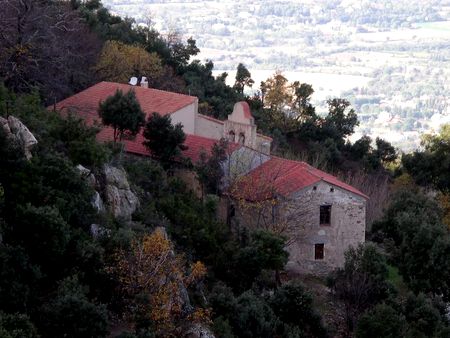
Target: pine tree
pixel 123 113
pixel 163 139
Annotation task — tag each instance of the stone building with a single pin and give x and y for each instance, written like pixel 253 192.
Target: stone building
pixel 320 215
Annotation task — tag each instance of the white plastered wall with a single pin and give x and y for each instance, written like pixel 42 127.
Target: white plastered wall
pixel 208 128
pixel 187 117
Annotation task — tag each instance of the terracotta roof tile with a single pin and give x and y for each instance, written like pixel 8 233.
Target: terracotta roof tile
pixel 195 144
pixel 206 117
pixel 284 177
pixel 151 100
pixel 85 105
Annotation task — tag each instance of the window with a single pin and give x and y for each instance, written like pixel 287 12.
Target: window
pixel 318 251
pixel 241 138
pixel 231 136
pixel 325 214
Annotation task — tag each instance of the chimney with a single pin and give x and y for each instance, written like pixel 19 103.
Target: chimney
pixel 144 82
pixel 133 81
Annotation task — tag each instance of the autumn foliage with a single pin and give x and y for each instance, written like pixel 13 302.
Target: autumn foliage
pixel 151 270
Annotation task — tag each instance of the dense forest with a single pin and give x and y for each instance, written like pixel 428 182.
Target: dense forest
pixel 70 267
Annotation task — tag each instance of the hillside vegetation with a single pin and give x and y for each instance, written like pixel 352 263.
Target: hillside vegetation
pixel 390 59
pixel 164 265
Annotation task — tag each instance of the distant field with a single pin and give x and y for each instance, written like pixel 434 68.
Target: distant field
pixel 436 26
pixel 325 85
pixel 387 56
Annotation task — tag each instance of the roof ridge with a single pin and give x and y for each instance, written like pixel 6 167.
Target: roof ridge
pixel 146 88
pixel 210 118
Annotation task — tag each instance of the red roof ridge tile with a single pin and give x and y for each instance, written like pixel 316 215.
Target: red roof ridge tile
pixel 150 99
pixel 264 136
pixel 147 89
pixel 211 118
pixel 301 165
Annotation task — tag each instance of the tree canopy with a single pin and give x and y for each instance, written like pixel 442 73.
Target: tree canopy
pixel 164 140
pixel 123 113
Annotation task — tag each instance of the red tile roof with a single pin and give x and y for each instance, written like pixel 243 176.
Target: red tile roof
pixel 151 100
pixel 280 176
pixel 195 144
pixel 85 105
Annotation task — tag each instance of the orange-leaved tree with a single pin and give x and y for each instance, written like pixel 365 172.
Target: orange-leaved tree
pixel 153 281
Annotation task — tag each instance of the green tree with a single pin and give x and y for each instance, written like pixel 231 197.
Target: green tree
pixel 340 121
pixel 385 151
pixel 209 168
pixel 301 101
pixel 18 279
pixel 293 306
pixel 412 316
pixel 243 78
pixel 123 113
pixel 71 136
pixel 44 235
pixel 361 283
pixel 383 321
pixel 216 97
pixel 71 314
pixel 164 140
pixel 253 317
pixel 265 251
pixel 417 241
pixel 16 326
pixel 430 166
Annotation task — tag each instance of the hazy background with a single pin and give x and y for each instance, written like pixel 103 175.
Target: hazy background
pixel 390 58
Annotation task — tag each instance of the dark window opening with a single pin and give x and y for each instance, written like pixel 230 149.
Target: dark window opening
pixel 315 188
pixel 331 189
pixel 241 138
pixel 318 251
pixel 231 136
pixel 325 214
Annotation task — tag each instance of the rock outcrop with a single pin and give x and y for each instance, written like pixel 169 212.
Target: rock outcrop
pixel 199 331
pixel 119 198
pixel 113 186
pixel 19 133
pixel 96 201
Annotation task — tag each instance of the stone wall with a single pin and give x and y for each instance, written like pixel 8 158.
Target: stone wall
pixel 297 217
pixel 347 228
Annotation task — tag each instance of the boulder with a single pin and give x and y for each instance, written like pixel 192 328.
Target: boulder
pixel 18 132
pixel 120 200
pixel 117 177
pixel 22 134
pixel 97 202
pixel 88 175
pixel 5 126
pixel 199 331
